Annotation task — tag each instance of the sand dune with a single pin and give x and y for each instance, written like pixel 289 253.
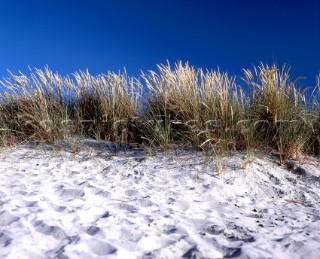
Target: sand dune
pixel 90 204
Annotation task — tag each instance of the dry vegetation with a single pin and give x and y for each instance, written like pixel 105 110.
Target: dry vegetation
pixel 208 110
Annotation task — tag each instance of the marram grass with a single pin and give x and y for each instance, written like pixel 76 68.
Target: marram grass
pixel 209 110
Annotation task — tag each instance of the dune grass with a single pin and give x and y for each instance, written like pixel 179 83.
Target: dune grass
pixel 194 107
pixel 278 111
pixel 207 110
pixel 33 108
pixel 106 107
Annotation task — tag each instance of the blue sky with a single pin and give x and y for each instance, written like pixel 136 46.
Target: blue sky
pixel 135 34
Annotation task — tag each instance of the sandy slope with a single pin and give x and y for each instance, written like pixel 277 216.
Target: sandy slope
pixel 90 204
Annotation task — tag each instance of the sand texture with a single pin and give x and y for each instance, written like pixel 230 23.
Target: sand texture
pixel 91 204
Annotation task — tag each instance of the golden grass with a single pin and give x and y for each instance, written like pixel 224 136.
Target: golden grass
pixel 193 106
pixel 278 111
pixel 46 106
pixel 204 109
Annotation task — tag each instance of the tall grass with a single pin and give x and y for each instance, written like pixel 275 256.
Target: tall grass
pixel 106 106
pixel 278 110
pixel 195 107
pixel 33 108
pixel 46 106
pixel 208 110
pixel 314 143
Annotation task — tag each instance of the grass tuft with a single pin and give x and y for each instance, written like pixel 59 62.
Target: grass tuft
pixel 206 110
pixel 278 110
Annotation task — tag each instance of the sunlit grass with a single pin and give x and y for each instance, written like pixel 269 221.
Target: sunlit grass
pixel 195 107
pixel 278 110
pixel 207 110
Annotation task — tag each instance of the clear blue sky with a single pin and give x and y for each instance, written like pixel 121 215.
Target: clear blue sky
pixel 109 35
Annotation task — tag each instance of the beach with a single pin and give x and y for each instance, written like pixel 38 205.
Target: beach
pixel 87 202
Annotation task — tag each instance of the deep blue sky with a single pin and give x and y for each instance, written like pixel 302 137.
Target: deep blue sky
pixel 136 34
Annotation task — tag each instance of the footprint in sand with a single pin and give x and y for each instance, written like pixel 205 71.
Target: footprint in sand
pixel 127 207
pixel 92 230
pixel 238 233
pixel 59 208
pixel 45 229
pixel 101 248
pixel 71 193
pixel 6 218
pixel 213 229
pixel 4 240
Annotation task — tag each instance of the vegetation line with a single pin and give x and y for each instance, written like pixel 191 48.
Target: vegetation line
pixel 207 110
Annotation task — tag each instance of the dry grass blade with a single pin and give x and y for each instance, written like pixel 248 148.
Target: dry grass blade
pixel 207 110
pixel 278 111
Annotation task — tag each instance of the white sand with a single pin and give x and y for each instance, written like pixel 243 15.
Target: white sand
pixel 90 204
